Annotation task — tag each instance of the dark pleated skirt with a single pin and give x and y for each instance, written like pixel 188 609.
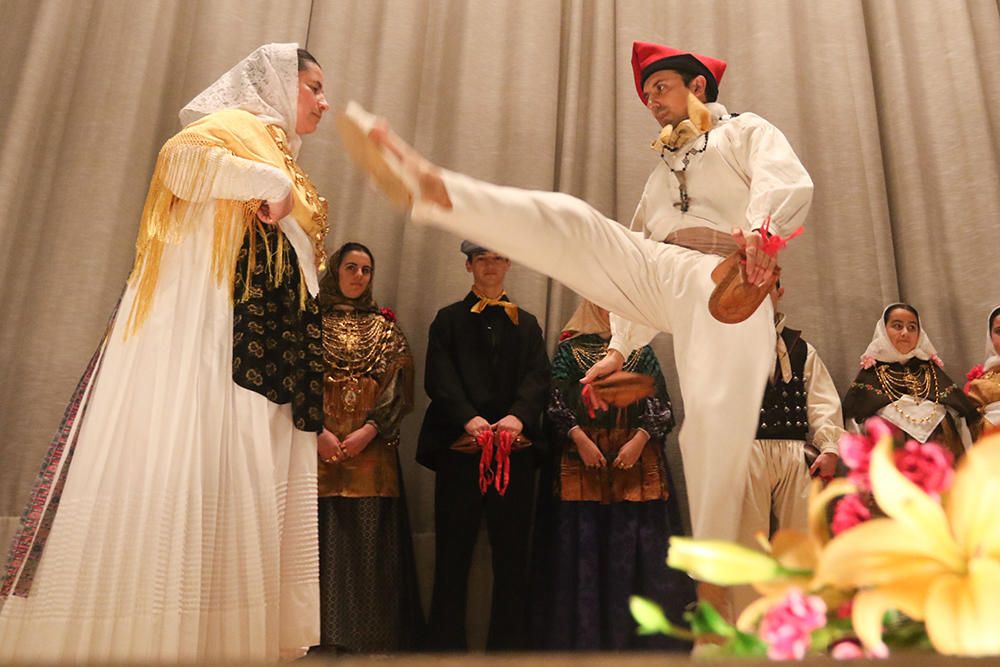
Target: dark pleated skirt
pixel 369 601
pixel 589 560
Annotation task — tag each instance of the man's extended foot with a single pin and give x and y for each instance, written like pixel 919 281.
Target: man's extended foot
pixel 395 168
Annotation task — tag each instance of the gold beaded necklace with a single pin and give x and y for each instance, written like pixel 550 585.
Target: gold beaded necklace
pixel 921 385
pixel 316 201
pixel 588 354
pixel 353 345
pixel 353 342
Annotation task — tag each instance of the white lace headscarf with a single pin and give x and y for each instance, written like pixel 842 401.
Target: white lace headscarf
pixel 992 356
pixel 882 349
pixel 265 83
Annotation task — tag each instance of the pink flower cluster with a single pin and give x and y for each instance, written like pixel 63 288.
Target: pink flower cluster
pixel 787 626
pixel 929 466
pixel 849 512
pixel 856 450
pixel 388 314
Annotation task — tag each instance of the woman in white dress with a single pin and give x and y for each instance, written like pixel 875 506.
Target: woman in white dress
pixel 185 528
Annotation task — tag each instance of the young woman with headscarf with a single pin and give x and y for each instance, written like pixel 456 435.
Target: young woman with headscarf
pixel 185 528
pixel 903 381
pixel 984 381
pixel 603 518
pixel 369 599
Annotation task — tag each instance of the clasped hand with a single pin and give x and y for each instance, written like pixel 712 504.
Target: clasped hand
pixel 332 449
pixel 270 212
pixel 509 423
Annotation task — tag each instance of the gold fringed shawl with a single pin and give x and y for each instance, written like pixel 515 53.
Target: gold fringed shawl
pixel 190 164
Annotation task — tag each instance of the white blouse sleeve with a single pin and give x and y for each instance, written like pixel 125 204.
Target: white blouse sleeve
pixel 780 187
pixel 199 173
pixel 627 336
pixel 826 422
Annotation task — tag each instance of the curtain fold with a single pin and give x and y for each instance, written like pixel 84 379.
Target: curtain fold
pixel 887 102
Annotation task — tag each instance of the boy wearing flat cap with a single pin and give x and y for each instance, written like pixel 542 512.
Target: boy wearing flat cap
pixel 487 376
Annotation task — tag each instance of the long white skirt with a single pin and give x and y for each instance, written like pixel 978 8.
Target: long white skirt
pixel 186 529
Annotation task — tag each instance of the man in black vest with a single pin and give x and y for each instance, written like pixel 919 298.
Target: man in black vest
pixel 800 412
pixel 487 376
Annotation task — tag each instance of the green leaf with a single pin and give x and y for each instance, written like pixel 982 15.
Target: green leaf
pixel 649 616
pixel 746 645
pixel 706 620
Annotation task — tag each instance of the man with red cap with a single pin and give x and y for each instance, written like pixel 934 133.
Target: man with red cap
pixel 722 182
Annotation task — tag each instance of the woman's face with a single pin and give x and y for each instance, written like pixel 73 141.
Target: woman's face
pixel 355 273
pixel 312 101
pixel 903 330
pixel 995 333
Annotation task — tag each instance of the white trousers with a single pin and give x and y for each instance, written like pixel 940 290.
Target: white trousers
pixel 722 367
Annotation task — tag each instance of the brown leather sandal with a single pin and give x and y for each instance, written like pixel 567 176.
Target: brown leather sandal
pixel 733 299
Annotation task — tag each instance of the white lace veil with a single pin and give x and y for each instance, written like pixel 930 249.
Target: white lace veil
pixel 265 83
pixel 882 349
pixel 992 356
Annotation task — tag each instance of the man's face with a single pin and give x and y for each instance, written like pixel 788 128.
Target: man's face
pixel 488 269
pixel 666 96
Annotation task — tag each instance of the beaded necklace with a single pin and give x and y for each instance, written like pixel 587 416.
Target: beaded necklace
pixel 588 354
pixel 353 346
pixel 922 386
pixel 681 174
pixel 315 200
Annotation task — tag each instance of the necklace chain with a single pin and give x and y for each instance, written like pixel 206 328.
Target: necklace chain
pixel 353 343
pixel 317 201
pixel 588 354
pixel 681 174
pixel 921 385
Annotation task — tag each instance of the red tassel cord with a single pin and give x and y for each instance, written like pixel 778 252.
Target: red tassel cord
pixel 506 442
pixel 773 242
pixel 485 440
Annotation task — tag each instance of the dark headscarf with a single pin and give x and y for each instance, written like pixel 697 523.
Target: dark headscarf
pixel 330 296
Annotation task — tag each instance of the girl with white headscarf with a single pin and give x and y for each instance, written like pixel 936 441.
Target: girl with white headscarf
pixel 984 381
pixel 185 528
pixel 902 381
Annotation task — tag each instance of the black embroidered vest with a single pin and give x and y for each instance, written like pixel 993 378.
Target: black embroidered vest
pixel 783 413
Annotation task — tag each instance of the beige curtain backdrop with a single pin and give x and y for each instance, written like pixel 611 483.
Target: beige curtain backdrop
pixel 887 102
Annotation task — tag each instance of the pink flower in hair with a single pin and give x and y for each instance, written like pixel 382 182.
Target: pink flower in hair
pixel 787 627
pixel 974 374
pixel 929 466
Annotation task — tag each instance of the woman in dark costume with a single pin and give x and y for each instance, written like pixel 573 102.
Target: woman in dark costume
pixel 902 380
pixel 369 600
pixel 604 521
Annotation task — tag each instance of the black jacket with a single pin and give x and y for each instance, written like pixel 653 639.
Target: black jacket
pixel 481 364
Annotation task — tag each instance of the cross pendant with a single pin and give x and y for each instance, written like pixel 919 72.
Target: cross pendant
pixel 685 201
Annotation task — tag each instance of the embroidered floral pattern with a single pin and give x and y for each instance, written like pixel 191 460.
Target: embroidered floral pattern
pixel 277 340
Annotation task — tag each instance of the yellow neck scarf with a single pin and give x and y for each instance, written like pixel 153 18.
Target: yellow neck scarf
pixel 484 302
